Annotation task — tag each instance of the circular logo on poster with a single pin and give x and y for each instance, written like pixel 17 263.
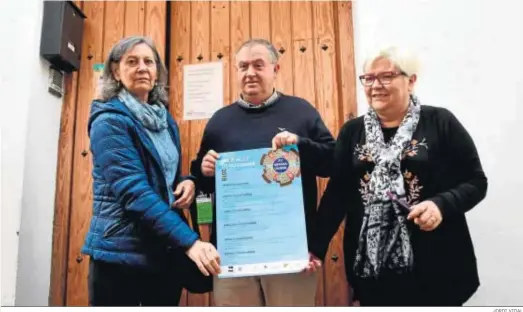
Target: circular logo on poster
pixel 280 165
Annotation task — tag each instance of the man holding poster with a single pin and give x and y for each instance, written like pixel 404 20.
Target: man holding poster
pixel 266 149
pixel 260 220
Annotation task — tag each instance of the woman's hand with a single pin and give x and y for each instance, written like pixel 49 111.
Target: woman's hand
pixel 314 264
pixel 284 138
pixel 206 257
pixel 426 215
pixel 184 194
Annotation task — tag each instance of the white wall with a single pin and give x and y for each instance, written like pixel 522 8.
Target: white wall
pixel 30 131
pixel 472 57
pixel 36 231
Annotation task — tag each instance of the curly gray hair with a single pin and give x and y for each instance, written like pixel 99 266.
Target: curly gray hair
pixel 109 87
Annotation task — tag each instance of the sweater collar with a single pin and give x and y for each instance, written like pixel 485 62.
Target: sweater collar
pixel 268 102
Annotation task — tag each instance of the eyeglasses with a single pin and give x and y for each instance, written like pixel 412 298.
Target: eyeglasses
pixel 384 78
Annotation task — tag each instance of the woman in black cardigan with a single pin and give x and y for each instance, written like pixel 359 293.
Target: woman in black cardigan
pixel 405 176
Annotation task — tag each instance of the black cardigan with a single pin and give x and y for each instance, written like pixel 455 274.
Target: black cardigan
pixel 440 164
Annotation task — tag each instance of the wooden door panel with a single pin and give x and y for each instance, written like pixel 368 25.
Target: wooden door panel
pixel 155 21
pixel 239 33
pixel 134 18
pixel 260 19
pixel 324 38
pixel 220 52
pixel 304 82
pixel 281 38
pixel 221 42
pixel 64 176
pixel 81 196
pixel 303 52
pixel 315 40
pixel 113 27
pixel 200 53
pixel 179 56
pixel 347 73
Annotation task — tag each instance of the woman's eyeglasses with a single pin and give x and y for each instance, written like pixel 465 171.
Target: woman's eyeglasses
pixel 384 78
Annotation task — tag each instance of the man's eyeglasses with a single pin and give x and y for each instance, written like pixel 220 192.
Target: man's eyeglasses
pixel 384 78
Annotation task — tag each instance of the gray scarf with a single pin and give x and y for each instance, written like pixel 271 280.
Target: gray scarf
pixel 384 241
pixel 152 117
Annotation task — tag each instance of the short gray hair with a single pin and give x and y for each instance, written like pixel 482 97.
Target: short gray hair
pixel 109 87
pixel 403 58
pixel 257 41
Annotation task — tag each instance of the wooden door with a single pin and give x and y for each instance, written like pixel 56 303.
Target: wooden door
pixel 317 63
pixel 314 40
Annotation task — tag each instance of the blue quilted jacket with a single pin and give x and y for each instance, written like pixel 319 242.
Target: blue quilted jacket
pixel 132 222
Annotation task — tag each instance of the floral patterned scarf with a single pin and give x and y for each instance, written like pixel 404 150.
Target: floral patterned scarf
pixel 384 241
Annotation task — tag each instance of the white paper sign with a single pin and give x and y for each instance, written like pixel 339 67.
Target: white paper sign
pixel 202 90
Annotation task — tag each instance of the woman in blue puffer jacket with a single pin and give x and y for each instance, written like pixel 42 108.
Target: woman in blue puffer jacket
pixel 136 226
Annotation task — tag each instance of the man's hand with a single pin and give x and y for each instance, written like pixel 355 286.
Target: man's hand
pixel 209 163
pixel 186 190
pixel 284 138
pixel 426 215
pixel 314 264
pixel 206 257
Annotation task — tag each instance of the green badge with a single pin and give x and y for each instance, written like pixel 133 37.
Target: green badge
pixel 204 208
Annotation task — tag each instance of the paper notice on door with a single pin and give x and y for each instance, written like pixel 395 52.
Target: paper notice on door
pixel 202 90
